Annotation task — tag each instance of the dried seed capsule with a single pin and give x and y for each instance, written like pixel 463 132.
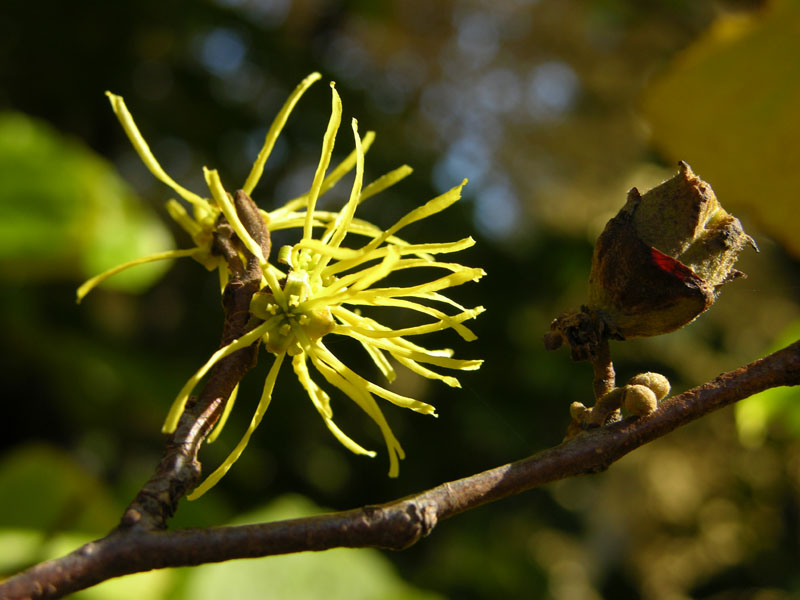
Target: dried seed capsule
pixel 660 262
pixel 655 381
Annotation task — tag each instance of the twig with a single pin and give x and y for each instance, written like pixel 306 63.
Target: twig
pixel 603 382
pixel 586 335
pixel 399 524
pixel 179 470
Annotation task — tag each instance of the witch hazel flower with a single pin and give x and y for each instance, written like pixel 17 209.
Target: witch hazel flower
pixel 318 290
pixel 204 216
pixel 318 286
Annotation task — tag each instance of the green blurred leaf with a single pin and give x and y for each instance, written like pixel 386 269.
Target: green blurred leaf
pixel 23 547
pixel 43 488
pixel 728 106
pixel 152 585
pixel 341 574
pixel 64 212
pixel 49 506
pixel 19 548
pixel 782 404
pixel 43 493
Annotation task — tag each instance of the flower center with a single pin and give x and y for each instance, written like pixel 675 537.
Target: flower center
pixel 293 319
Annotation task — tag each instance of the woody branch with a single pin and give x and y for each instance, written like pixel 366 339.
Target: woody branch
pixel 399 524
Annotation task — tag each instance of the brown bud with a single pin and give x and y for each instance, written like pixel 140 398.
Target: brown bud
pixel 578 411
pixel 660 262
pixel 655 381
pixel 639 400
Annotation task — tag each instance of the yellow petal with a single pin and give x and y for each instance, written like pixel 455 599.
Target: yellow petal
pixel 247 339
pixel 321 402
pixel 367 403
pixel 398 349
pixel 374 273
pixel 436 297
pixel 320 399
pixel 358 394
pixel 90 284
pixel 224 417
pixel 143 150
pixel 229 210
pixel 359 382
pixel 320 218
pixel 347 441
pixel 182 218
pixel 263 404
pixel 342 223
pixel 324 160
pixel 444 322
pixel 223 279
pixel 431 207
pixel 331 179
pixel 274 131
pixel 417 368
pixel 380 360
pixel 359 322
pixel 347 164
pixel 385 181
pixel 356 319
pixel 375 296
pixel 348 258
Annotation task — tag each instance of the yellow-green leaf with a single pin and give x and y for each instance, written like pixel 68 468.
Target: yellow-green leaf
pixel 728 105
pixel 64 212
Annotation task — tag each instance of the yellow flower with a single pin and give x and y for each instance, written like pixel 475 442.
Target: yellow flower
pixel 322 285
pixel 202 223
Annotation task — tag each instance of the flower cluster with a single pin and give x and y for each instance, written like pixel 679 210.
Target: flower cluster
pixel 317 286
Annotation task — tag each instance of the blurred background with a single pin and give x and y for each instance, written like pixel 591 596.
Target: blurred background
pixel 553 109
